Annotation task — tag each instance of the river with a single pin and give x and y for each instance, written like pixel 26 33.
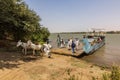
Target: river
pixel 107 55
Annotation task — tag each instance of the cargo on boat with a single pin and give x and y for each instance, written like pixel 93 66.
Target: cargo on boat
pixel 93 41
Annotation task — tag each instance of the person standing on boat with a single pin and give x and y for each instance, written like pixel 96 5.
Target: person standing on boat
pixel 73 47
pixel 87 46
pixel 58 40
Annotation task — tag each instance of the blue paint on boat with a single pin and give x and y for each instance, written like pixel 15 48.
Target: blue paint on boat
pixel 89 47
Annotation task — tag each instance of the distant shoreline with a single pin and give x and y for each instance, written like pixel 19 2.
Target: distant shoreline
pixel 107 32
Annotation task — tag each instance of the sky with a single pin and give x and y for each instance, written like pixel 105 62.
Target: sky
pixel 77 15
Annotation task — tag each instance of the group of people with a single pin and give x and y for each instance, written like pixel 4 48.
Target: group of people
pixel 71 44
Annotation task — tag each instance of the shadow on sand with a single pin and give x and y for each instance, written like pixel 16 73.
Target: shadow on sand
pixel 11 60
pixel 77 56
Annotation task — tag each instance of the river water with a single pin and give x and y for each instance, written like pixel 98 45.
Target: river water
pixel 107 55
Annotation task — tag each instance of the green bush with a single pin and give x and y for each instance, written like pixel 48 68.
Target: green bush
pixel 115 73
pixel 106 76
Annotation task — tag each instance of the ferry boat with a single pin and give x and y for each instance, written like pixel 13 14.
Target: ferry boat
pixel 93 41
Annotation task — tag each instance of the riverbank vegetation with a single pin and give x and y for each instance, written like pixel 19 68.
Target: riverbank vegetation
pixel 114 75
pixel 19 22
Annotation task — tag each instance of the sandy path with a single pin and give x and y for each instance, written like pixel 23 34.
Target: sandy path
pixel 16 67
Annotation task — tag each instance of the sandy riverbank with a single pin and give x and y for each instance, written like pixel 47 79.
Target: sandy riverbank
pixel 14 66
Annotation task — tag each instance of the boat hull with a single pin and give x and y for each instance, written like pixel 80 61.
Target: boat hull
pixel 89 49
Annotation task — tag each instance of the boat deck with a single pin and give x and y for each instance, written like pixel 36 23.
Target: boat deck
pixel 66 52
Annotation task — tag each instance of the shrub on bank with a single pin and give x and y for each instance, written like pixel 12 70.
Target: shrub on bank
pixel 114 75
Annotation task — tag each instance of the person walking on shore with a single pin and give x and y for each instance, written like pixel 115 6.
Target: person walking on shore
pixel 77 43
pixel 69 44
pixel 58 40
pixel 73 47
pixel 62 43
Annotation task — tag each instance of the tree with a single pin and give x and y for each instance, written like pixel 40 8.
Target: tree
pixel 17 21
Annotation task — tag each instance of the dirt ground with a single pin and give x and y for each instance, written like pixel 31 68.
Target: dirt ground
pixel 16 66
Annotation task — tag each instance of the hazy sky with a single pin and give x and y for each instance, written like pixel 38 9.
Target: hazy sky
pixel 77 15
